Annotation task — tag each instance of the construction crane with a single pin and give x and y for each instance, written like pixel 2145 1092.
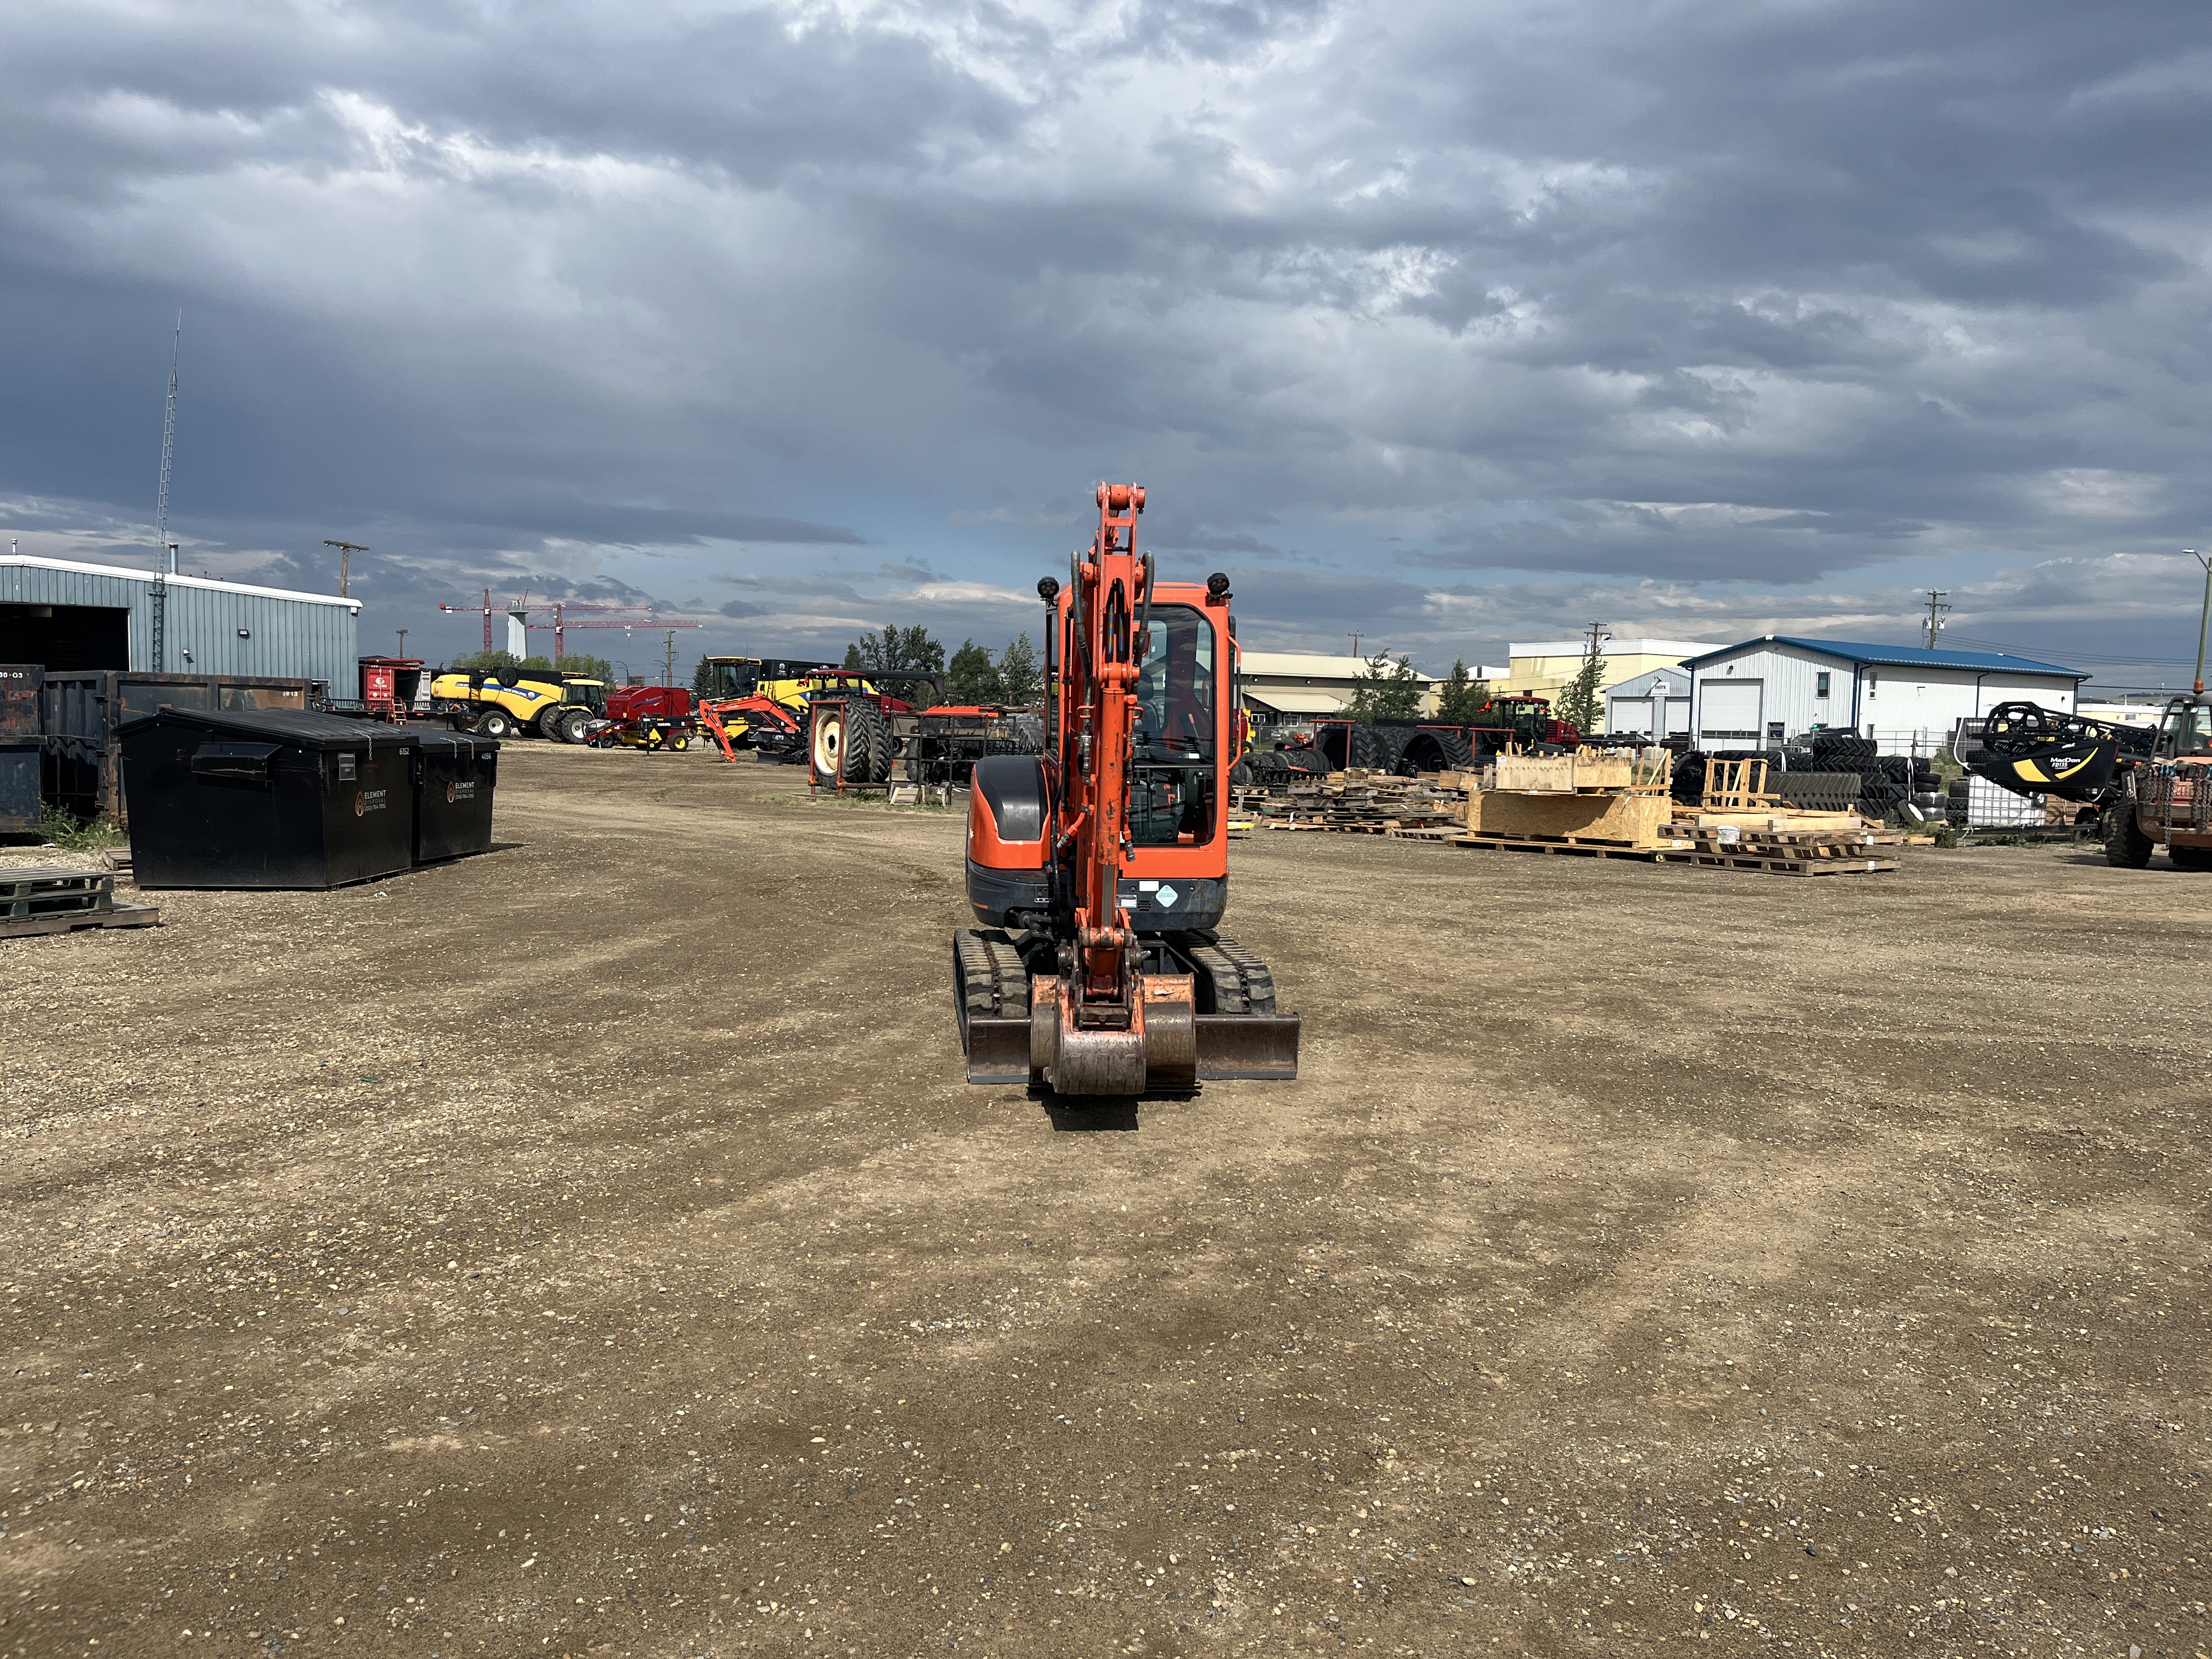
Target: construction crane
pixel 560 625
pixel 487 608
pixel 1099 870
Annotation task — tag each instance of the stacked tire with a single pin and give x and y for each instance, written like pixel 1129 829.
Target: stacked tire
pixel 1819 792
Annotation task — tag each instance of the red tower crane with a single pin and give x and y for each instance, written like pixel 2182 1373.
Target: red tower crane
pixel 560 625
pixel 488 611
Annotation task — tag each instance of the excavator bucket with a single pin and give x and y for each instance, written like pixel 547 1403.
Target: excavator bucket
pixel 1215 1020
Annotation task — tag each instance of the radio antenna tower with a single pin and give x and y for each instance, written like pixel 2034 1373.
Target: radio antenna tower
pixel 162 549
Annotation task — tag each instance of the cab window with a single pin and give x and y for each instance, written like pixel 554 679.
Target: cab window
pixel 1172 799
pixel 2189 729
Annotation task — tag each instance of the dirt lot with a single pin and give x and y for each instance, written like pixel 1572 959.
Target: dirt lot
pixel 592 1248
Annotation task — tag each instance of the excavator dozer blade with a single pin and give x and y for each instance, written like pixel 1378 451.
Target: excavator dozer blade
pixel 1248 1045
pixel 991 994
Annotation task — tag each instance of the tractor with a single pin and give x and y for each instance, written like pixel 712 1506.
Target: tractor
pixel 2166 800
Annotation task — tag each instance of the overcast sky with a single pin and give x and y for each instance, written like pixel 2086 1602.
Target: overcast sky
pixel 1452 324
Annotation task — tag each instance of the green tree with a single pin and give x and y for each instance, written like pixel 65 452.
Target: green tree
pixel 894 649
pixel 484 662
pixel 1460 697
pixel 1580 703
pixel 581 665
pixel 1021 676
pixel 574 666
pixel 1386 689
pixel 972 677
pixel 703 679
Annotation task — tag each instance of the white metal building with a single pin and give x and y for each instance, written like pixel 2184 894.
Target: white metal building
pixel 1656 704
pixel 66 616
pixel 1775 689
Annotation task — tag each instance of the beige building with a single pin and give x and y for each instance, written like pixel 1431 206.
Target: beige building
pixel 1544 668
pixel 1281 686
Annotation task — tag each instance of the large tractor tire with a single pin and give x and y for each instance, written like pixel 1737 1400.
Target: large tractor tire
pixel 829 741
pixel 867 743
pixel 2125 844
pixel 495 723
pixel 575 725
pixel 1371 749
pixel 2190 858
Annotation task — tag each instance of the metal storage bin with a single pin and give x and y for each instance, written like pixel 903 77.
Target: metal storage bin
pixel 81 711
pixel 266 798
pixel 454 773
pixel 19 786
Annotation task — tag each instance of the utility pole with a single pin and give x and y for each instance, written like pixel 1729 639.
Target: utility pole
pixel 2203 617
pixel 346 551
pixel 402 645
pixel 1935 609
pixel 1597 638
pixel 668 657
pixel 1355 645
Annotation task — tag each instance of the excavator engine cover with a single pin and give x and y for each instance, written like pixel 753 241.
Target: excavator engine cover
pixel 1007 806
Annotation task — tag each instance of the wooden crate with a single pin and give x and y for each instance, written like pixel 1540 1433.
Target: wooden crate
pixel 1632 820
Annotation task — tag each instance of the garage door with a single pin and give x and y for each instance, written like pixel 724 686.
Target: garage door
pixel 1628 715
pixel 1729 711
pixel 1678 717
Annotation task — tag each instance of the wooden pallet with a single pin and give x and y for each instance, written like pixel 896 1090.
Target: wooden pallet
pixel 31 892
pixel 123 915
pixel 1610 843
pixel 1776 865
pixel 1707 838
pixel 1586 849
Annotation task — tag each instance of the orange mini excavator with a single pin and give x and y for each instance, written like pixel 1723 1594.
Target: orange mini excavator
pixel 1099 870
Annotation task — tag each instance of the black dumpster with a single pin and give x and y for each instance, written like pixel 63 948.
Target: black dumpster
pixel 18 787
pixel 266 798
pixel 454 772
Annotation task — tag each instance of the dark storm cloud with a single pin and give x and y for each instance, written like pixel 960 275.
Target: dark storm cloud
pixel 1636 293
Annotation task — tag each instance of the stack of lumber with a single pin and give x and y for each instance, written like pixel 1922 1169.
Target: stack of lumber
pixel 1366 803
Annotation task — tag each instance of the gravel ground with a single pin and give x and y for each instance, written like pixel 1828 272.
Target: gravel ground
pixel 592 1248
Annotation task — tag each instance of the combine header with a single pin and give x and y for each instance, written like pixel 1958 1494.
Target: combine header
pixel 1100 870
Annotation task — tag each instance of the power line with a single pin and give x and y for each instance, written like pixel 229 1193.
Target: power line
pixel 2122 659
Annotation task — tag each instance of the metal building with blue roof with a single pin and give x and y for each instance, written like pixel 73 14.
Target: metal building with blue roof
pixel 1776 687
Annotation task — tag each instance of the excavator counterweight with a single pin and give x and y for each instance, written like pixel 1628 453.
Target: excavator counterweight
pixel 1099 870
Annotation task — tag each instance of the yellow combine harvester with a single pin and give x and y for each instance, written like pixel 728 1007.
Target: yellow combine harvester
pixel 499 702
